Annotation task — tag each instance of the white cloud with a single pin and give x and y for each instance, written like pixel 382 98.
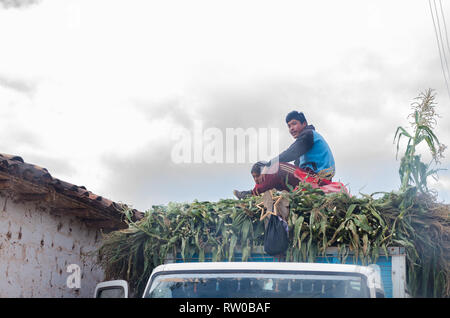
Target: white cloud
pixel 115 77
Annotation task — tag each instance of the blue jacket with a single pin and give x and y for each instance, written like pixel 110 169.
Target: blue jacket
pixel 310 150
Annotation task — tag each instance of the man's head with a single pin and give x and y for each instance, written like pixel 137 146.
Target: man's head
pixel 256 173
pixel 296 122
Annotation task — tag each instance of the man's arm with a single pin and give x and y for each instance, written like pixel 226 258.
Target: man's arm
pixel 301 145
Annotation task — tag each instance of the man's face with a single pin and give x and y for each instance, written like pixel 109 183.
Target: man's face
pixel 257 177
pixel 295 127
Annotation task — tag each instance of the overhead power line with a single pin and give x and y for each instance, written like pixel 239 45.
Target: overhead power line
pixel 440 36
pixel 439 40
pixel 445 25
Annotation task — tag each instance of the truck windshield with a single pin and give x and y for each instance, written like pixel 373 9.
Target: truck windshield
pixel 257 285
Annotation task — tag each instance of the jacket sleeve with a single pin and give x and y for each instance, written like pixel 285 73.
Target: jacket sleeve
pixel 300 146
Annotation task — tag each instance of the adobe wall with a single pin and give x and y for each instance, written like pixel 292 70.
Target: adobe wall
pixel 36 249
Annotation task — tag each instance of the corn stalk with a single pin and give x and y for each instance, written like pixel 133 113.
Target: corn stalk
pixel 412 169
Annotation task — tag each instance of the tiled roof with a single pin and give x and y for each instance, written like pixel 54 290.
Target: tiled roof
pixel 28 182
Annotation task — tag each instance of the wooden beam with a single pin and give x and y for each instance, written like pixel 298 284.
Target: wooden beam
pixel 4 176
pixel 5 184
pixel 102 223
pixel 31 197
pixel 81 212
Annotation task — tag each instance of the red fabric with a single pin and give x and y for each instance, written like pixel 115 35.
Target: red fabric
pixel 277 180
pixel 325 185
pixel 295 174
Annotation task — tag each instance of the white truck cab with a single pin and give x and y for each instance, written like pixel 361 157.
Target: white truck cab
pixel 257 280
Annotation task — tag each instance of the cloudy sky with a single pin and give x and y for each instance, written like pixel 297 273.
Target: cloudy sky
pixel 94 90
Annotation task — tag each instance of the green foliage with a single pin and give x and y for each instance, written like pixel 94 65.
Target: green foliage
pixel 412 169
pixel 363 226
pixel 426 249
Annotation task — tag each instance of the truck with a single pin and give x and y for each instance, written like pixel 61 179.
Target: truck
pixel 262 275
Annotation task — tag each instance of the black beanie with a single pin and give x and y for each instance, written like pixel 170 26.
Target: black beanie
pixel 295 115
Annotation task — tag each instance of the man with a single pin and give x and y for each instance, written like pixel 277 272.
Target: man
pixel 310 152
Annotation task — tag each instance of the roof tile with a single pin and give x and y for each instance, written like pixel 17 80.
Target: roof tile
pixel 17 167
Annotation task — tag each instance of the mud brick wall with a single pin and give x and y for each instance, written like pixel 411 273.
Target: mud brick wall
pixel 36 249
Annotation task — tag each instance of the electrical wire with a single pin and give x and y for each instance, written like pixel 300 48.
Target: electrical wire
pixel 441 52
pixel 445 25
pixel 441 49
pixel 440 36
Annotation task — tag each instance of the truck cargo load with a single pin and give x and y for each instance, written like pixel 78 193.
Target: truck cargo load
pixel 323 228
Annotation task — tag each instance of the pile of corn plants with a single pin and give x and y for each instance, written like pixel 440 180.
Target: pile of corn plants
pixel 365 226
pixel 362 226
pixel 187 229
pixel 359 226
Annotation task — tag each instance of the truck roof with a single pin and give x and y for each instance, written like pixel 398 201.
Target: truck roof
pixel 283 266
